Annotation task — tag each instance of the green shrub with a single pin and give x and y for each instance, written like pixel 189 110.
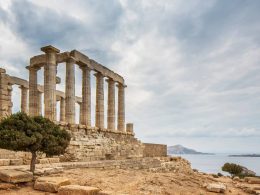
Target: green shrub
pixel 20 132
pixel 233 169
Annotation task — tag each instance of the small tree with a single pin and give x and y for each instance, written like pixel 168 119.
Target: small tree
pixel 20 132
pixel 232 168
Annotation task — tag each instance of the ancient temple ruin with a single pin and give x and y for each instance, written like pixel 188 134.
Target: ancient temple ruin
pixel 88 142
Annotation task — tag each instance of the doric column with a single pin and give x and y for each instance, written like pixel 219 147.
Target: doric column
pixel 121 107
pixel 99 100
pixel 70 91
pixel 50 69
pixel 9 97
pixel 111 105
pixel 24 94
pixel 33 91
pixel 62 109
pixel 85 112
pixel 39 106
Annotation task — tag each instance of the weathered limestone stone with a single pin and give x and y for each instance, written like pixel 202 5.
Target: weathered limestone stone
pixel 252 180
pixel 78 190
pixel 99 100
pixel 24 94
pixel 39 103
pixel 70 91
pixel 130 127
pixel 33 91
pixel 85 111
pixel 62 109
pixel 15 176
pixel 4 162
pixel 111 105
pixel 121 107
pixel 50 184
pixel 216 187
pixel 16 161
pixel 50 82
pixel 106 193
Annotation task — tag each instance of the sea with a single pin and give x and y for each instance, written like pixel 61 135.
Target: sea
pixel 213 163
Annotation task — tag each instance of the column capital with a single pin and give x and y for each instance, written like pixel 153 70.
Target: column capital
pixel 84 67
pixel 23 87
pixel 98 74
pixel 50 49
pixel 120 85
pixel 71 59
pixel 35 68
pixel 110 80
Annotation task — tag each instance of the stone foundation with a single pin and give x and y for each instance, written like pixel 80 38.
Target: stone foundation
pixel 154 150
pixel 88 144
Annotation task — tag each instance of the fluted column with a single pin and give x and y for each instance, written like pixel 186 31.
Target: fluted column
pixel 24 94
pixel 99 100
pixel 39 106
pixel 85 112
pixel 50 82
pixel 9 96
pixel 33 91
pixel 62 109
pixel 70 91
pixel 111 105
pixel 121 107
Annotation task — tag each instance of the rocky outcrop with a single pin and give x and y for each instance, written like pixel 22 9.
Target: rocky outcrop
pixel 216 187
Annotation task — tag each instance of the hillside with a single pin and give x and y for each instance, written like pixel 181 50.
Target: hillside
pixel 179 149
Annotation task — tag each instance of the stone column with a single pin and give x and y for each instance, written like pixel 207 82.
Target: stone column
pixel 99 100
pixel 33 91
pixel 70 91
pixel 111 105
pixel 39 106
pixel 121 107
pixel 24 94
pixel 62 109
pixel 50 82
pixel 9 97
pixel 85 112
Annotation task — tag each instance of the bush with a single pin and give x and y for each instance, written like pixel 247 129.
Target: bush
pixel 233 169
pixel 20 132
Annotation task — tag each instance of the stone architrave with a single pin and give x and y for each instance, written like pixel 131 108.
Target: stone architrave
pixel 121 107
pixel 24 96
pixel 50 69
pixel 70 98
pixel 111 105
pixel 99 100
pixel 85 112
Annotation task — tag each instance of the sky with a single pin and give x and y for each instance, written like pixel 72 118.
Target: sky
pixel 192 68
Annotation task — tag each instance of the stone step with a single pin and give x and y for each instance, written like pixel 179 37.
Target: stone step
pixel 50 184
pixel 15 176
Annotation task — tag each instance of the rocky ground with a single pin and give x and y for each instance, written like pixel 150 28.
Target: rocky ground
pixel 173 177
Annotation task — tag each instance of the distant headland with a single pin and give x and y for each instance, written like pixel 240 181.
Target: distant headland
pixel 179 149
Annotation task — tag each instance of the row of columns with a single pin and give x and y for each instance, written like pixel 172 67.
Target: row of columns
pixel 67 104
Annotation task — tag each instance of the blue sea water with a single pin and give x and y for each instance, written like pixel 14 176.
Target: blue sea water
pixel 213 163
